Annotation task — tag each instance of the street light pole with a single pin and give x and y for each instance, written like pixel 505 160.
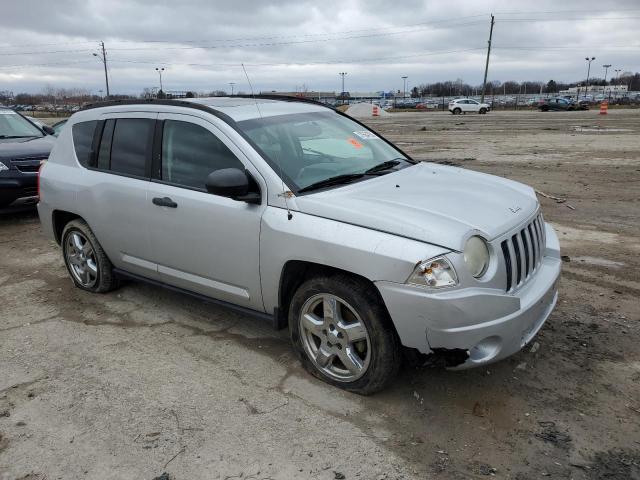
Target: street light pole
pixel 232 84
pixel 404 87
pixel 589 60
pixel 342 74
pixel 160 70
pixel 604 89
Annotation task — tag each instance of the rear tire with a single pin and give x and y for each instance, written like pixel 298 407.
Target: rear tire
pixel 457 111
pixel 338 317
pixel 86 261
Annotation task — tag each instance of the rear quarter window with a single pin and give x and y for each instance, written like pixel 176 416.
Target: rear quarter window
pixel 82 139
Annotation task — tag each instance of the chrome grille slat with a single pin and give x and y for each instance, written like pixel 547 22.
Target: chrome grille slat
pixel 523 252
pixel 534 246
pixel 522 275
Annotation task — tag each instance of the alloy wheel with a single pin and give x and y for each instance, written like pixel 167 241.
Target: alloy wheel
pixel 334 337
pixel 81 259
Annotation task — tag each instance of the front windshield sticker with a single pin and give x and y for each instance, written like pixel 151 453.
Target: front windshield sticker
pixel 366 135
pixel 7 112
pixel 354 142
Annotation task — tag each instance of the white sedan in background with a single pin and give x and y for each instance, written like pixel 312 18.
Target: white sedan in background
pixel 465 105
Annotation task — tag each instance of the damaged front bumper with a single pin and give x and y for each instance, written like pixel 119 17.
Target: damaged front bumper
pixel 488 324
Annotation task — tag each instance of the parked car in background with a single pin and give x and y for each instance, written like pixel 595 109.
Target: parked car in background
pixel 562 104
pixel 468 105
pixel 57 127
pixel 427 106
pixel 23 146
pixel 293 212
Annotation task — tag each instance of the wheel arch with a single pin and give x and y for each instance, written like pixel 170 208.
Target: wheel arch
pixel 60 218
pixel 296 272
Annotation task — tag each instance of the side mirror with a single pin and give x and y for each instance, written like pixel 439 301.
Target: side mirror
pixel 232 183
pixel 48 130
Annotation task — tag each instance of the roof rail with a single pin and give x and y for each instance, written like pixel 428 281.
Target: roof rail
pixel 285 98
pixel 140 101
pixel 196 105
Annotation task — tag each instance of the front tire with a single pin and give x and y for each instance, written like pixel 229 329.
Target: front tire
pixel 86 261
pixel 457 111
pixel 343 335
pixel 482 111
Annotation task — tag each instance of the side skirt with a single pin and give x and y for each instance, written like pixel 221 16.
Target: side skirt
pixel 272 319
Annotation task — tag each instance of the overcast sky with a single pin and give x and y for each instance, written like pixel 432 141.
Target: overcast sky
pixel 290 43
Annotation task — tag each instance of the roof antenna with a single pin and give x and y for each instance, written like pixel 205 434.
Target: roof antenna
pixel 285 193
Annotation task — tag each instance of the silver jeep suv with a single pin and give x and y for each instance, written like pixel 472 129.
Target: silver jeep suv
pixel 297 213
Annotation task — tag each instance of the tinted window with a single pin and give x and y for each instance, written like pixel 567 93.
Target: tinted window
pixel 82 140
pixel 130 145
pixel 104 151
pixel 190 153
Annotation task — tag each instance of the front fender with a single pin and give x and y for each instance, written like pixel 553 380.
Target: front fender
pixel 374 255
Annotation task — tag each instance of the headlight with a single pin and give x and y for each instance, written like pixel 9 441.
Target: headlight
pixel 434 273
pixel 3 167
pixel 476 256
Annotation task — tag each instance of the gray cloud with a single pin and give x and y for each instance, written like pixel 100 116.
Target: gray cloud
pixel 286 44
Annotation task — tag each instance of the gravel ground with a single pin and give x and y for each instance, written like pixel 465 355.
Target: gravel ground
pixel 142 381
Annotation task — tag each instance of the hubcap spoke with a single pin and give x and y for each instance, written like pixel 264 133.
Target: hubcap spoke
pixel 324 358
pixel 330 309
pixel 312 323
pixel 77 242
pixel 354 331
pixel 92 267
pixel 350 360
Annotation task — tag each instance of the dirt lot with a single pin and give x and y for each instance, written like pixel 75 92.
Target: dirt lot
pixel 141 381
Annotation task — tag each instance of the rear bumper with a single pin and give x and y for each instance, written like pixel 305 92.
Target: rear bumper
pixel 487 323
pixel 18 188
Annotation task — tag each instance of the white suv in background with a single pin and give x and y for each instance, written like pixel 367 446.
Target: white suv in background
pixel 465 105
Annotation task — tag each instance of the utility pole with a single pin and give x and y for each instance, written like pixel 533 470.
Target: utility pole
pixel 604 89
pixel 103 56
pixel 486 66
pixel 342 74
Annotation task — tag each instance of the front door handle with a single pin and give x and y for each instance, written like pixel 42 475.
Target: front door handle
pixel 164 202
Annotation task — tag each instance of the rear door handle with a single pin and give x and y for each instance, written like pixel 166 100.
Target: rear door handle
pixel 164 202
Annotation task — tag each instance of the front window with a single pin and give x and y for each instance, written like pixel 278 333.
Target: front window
pixel 13 125
pixel 307 148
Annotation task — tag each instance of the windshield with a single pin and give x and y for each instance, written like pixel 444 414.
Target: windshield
pixel 312 147
pixel 13 125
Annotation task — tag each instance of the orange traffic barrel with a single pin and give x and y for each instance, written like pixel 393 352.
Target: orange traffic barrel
pixel 603 108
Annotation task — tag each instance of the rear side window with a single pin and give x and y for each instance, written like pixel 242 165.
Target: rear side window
pixel 131 145
pixel 82 139
pixel 190 153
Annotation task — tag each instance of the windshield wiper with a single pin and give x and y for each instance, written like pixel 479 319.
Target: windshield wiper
pixel 336 180
pixel 17 136
pixel 381 167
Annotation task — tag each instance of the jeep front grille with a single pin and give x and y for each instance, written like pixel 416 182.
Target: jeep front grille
pixel 523 253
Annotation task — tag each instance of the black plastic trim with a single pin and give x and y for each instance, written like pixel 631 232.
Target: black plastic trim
pixel 231 306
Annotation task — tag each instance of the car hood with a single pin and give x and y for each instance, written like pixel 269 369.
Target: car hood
pixel 32 147
pixel 428 202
